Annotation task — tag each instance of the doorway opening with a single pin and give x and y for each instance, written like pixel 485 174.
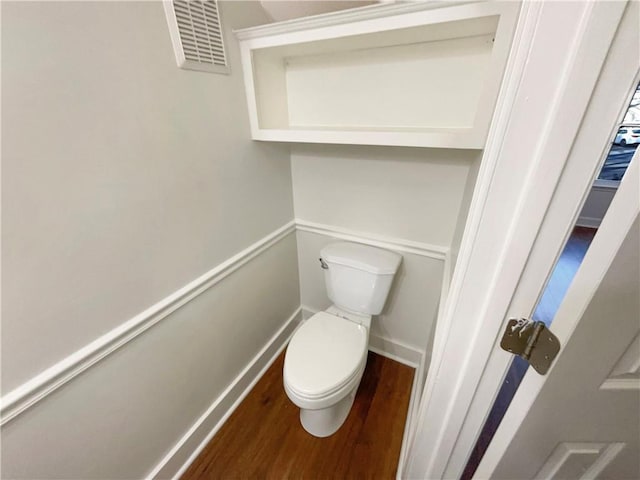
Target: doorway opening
pixel 621 151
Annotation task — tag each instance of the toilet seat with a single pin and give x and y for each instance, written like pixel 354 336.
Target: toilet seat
pixel 325 354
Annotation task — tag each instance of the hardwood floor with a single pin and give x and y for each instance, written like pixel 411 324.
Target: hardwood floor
pixel 263 438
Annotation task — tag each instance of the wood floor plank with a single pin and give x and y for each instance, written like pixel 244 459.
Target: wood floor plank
pixel 263 438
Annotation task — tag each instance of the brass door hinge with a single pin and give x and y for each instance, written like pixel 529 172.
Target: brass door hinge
pixel 531 340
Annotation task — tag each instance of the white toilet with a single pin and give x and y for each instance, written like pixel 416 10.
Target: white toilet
pixel 326 357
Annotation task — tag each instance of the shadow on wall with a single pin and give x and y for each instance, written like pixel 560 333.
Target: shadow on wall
pixel 368 153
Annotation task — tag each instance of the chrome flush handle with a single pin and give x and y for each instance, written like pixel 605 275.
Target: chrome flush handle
pixel 323 264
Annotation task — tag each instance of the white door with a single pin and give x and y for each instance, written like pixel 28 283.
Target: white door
pixel 582 420
pixel 550 148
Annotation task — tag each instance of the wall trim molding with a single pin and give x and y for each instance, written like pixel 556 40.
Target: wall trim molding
pixel 621 384
pixel 40 386
pixel 394 350
pixel 31 392
pixel 37 388
pixel 196 438
pixel 399 244
pixel 589 222
pixel 605 185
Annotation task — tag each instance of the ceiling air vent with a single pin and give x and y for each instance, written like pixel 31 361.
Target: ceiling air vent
pixel 196 33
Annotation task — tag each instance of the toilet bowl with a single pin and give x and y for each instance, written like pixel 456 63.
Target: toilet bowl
pixel 323 367
pixel 327 354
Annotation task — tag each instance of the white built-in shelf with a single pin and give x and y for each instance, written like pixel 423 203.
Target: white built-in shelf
pixel 423 74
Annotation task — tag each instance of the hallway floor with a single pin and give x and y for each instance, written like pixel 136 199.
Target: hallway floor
pixel 263 438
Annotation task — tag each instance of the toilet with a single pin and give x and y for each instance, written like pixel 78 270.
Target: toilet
pixel 326 356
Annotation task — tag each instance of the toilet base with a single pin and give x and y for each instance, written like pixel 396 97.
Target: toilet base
pixel 326 421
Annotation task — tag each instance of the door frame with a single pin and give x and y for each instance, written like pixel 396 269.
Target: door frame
pixel 557 56
pixel 611 235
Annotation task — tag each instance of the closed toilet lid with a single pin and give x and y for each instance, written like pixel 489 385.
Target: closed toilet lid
pixel 324 354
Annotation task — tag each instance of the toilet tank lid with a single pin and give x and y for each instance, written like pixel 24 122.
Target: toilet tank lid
pixel 362 257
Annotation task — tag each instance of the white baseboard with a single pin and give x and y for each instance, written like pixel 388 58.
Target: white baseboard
pixel 589 222
pixel 386 347
pixel 185 451
pixel 395 350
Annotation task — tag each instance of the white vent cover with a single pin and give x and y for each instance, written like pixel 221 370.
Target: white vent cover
pixel 196 33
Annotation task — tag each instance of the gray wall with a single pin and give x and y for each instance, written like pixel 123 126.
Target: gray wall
pixel 123 179
pixel 596 205
pixel 126 178
pixel 410 194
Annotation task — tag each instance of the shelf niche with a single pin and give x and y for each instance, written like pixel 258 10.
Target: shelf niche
pixel 428 78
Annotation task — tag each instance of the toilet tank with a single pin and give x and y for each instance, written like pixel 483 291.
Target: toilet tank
pixel 358 277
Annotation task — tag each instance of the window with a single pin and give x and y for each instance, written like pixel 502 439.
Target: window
pixel 624 144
